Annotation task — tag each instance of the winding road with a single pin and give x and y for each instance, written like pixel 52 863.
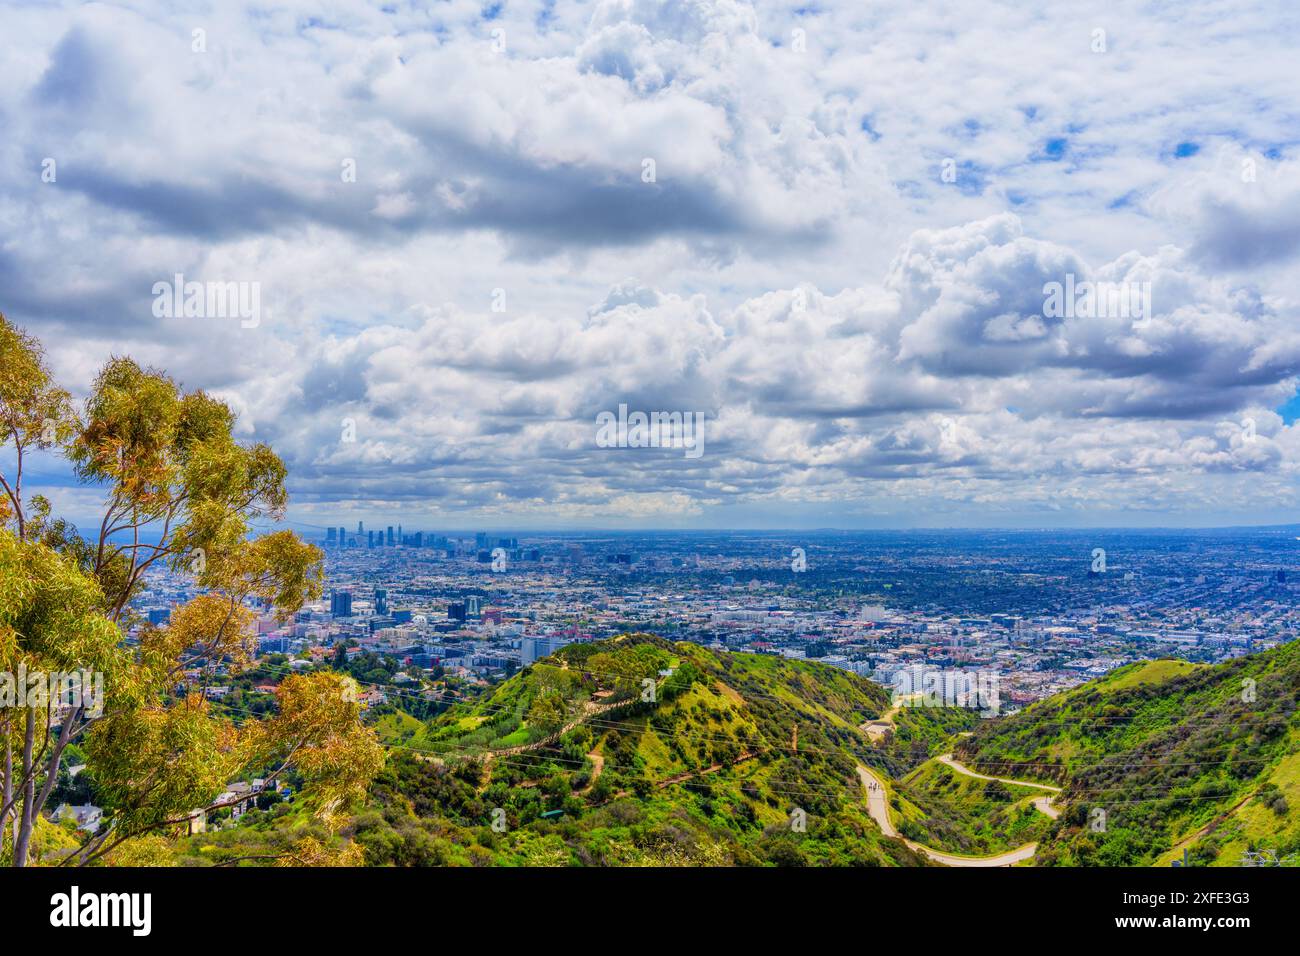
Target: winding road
pixel 1042 804
pixel 948 760
pixel 878 807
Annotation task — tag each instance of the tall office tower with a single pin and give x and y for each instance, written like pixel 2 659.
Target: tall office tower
pixel 332 537
pixel 341 603
pixel 481 540
pixel 531 648
pixel 360 529
pixel 370 539
pixel 400 539
pixel 381 601
pixel 343 538
pixel 472 605
pixel 456 610
pixel 390 534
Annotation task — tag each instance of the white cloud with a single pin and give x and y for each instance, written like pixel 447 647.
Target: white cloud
pixel 864 337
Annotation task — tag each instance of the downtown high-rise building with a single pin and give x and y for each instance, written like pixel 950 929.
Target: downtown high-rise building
pixel 341 603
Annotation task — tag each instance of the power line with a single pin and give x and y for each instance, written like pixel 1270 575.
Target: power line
pixel 641 725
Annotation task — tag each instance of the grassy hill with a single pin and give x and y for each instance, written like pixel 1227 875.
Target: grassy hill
pixel 638 751
pixel 1160 755
pixel 634 751
pixel 950 811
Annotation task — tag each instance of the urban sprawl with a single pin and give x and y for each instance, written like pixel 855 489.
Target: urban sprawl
pixel 451 613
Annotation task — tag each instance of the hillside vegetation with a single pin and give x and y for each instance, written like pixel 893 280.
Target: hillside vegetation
pixel 949 811
pixel 638 751
pixel 1161 755
pixel 634 751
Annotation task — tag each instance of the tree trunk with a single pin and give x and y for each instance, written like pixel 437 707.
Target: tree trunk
pixel 23 836
pixel 8 792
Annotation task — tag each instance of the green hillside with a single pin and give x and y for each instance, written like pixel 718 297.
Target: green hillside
pixel 641 752
pixel 1159 755
pixel 950 811
pixel 634 751
pixel 638 751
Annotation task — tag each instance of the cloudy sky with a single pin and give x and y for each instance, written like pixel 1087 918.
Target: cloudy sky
pixel 826 226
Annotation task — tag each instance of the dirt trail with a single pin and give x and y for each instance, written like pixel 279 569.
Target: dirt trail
pixel 589 711
pixel 1213 824
pixel 597 768
pixel 878 807
pixel 692 774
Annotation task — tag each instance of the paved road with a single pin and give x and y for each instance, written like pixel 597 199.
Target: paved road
pixel 1043 804
pixel 877 801
pixel 876 729
pixel 962 768
pixel 878 807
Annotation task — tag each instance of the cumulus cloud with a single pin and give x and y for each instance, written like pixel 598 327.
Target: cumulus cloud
pixel 476 229
pixel 816 396
pixel 1241 208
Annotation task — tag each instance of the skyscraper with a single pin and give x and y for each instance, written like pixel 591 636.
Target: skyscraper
pixel 381 601
pixel 390 535
pixel 341 603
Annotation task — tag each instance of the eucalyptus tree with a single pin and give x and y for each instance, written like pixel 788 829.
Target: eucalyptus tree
pixel 179 493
